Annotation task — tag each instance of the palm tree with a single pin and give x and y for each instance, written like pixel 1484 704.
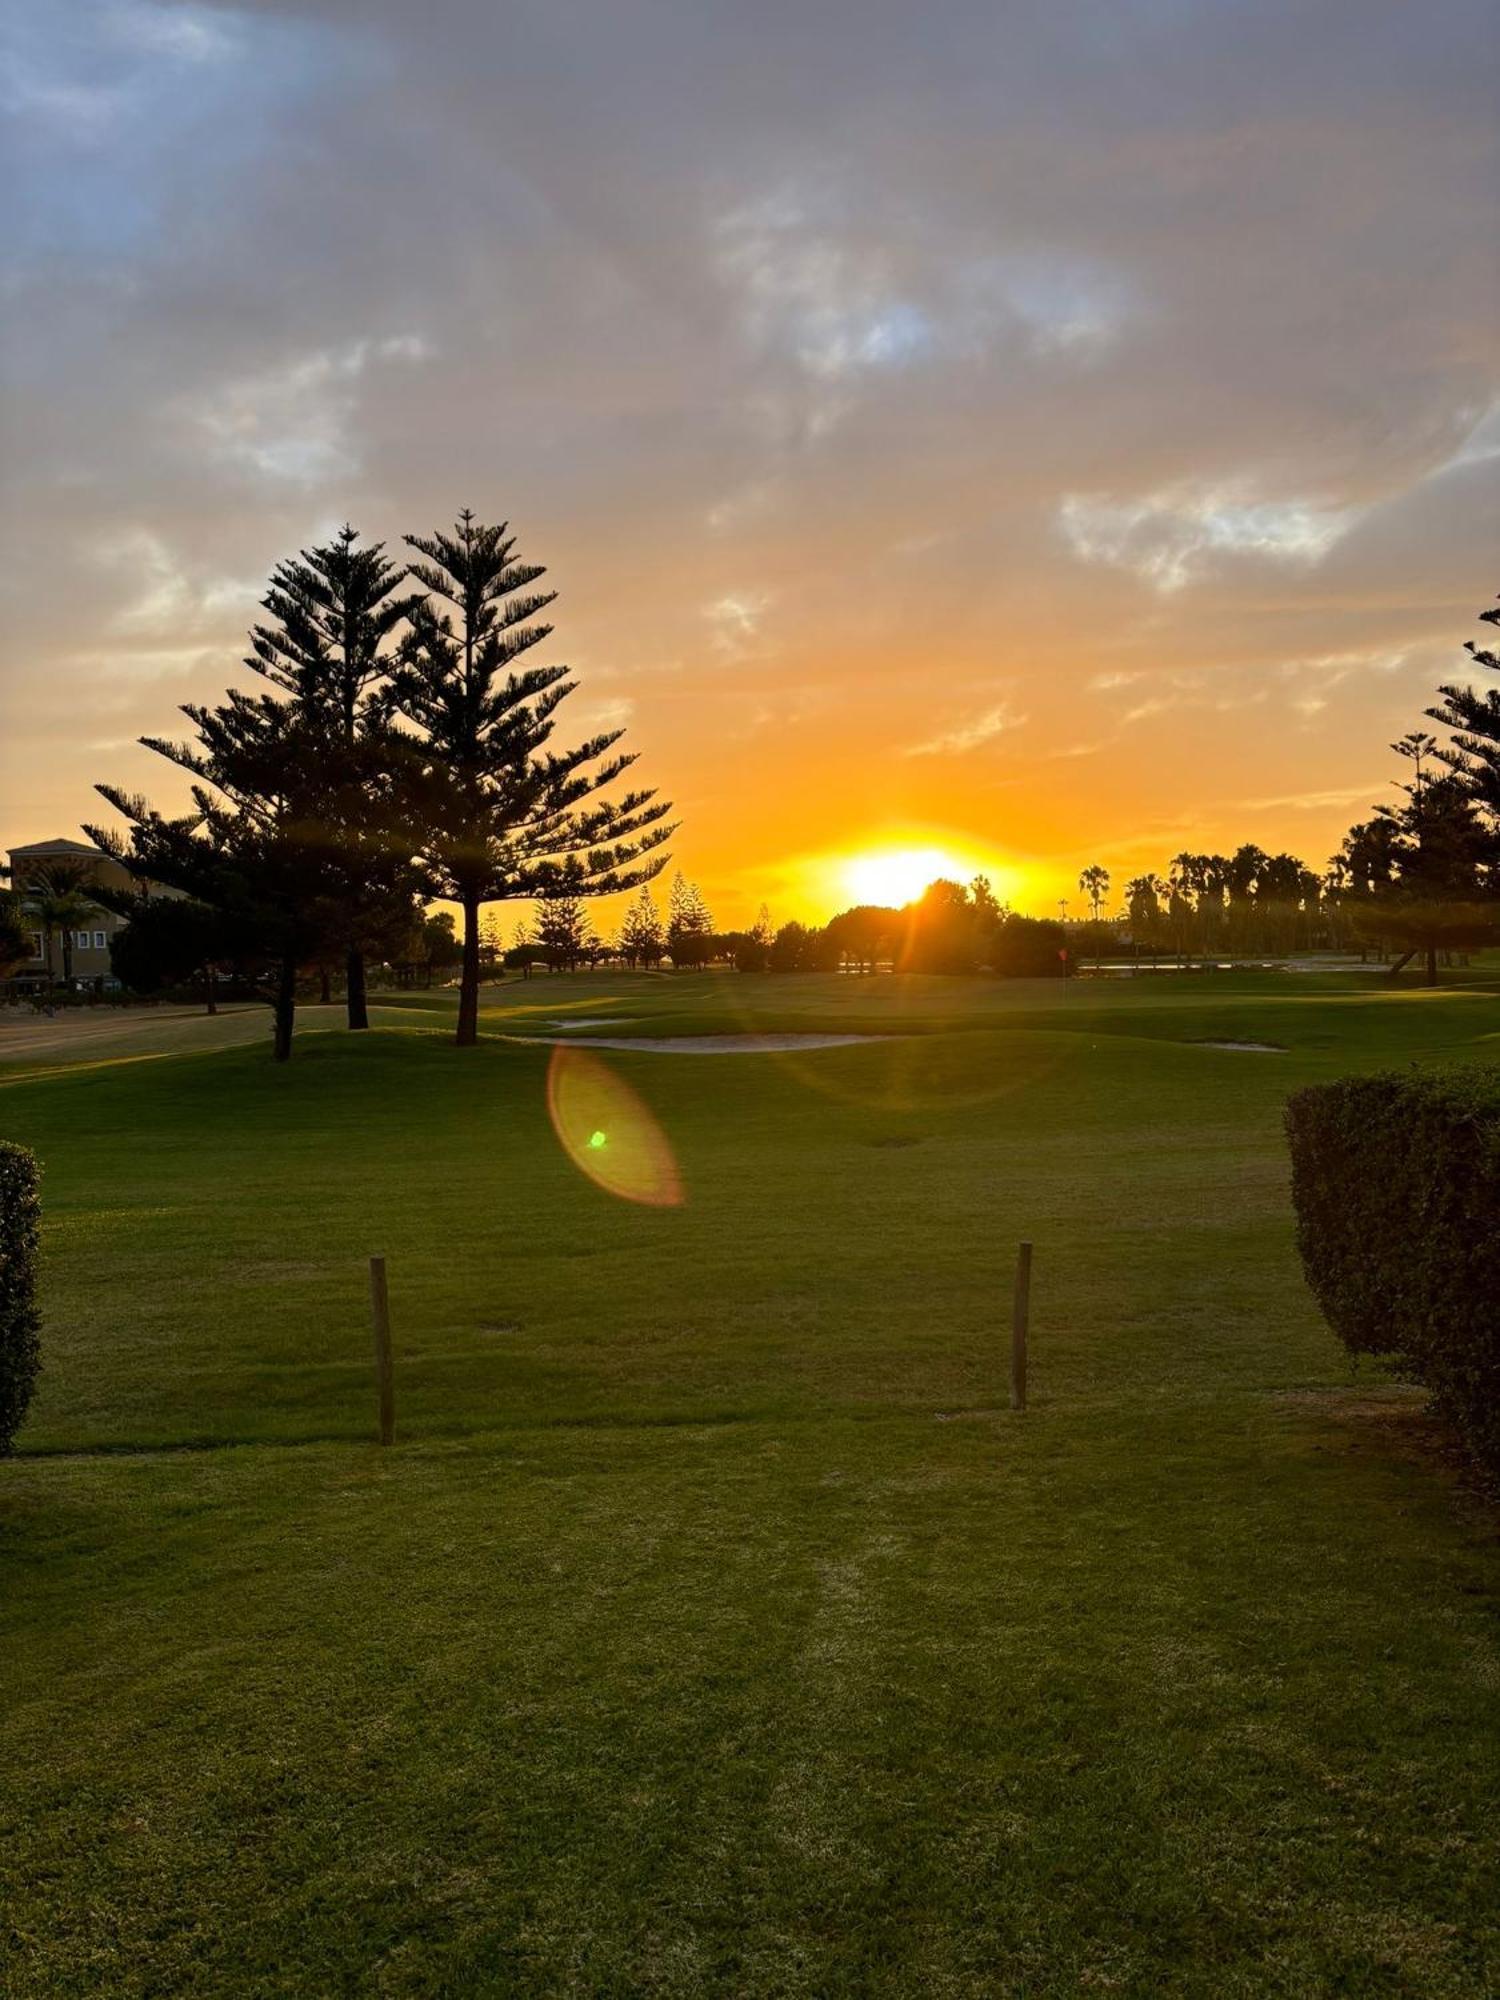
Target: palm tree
pixel 54 894
pixel 1094 882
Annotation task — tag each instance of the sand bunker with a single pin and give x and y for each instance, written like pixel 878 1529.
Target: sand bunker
pixel 1253 1048
pixel 593 1021
pixel 712 1045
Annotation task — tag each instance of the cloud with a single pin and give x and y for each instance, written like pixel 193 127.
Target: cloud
pixel 1171 539
pixel 1072 352
pixel 293 421
pixel 735 621
pixel 1339 796
pixel 968 736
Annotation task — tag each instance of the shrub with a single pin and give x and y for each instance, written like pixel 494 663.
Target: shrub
pixel 20 1344
pixel 1396 1182
pixel 1030 948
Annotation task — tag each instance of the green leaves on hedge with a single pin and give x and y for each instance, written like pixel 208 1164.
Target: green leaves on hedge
pixel 20 1325
pixel 1396 1181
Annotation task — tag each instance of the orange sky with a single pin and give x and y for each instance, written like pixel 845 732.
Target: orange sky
pixel 1069 438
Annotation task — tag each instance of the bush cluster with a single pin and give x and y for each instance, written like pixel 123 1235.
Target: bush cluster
pixel 1396 1182
pixel 20 1343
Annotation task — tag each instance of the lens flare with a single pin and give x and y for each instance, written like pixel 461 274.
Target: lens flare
pixel 608 1132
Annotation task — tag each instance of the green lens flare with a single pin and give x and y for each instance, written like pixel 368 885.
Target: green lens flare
pixel 608 1131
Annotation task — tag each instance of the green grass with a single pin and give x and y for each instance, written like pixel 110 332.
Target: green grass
pixel 714 1628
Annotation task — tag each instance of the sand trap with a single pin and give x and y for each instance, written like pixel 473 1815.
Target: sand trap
pixel 712 1045
pixel 594 1021
pixel 1253 1048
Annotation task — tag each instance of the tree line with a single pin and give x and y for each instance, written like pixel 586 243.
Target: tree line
pixel 404 755
pixel 402 751
pixel 1419 877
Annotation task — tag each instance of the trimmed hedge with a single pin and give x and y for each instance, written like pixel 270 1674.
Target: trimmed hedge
pixel 1396 1182
pixel 20 1326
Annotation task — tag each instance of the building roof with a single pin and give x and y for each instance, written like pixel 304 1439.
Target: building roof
pixel 61 846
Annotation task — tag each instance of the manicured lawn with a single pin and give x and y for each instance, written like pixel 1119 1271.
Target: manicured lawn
pixel 714 1627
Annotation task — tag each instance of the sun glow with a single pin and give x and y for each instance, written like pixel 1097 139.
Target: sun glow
pixel 891 876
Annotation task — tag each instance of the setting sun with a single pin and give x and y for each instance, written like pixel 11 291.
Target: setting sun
pixel 897 873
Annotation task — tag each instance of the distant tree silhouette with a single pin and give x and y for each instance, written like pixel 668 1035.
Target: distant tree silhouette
pixel 866 934
pixel 1145 912
pixel 1029 948
pixel 643 941
pixel 562 930
pixel 501 816
pixel 174 941
pixel 690 924
pixel 1472 715
pixel 1094 882
pixel 1433 864
pixel 801 948
pixel 15 933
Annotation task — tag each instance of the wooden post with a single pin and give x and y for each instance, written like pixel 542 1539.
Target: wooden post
pixel 1020 1314
pixel 385 1381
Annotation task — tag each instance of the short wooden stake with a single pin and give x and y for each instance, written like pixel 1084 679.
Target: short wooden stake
pixel 1020 1315
pixel 385 1380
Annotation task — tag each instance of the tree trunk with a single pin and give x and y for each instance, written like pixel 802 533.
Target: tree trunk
pixel 286 1010
pixel 1405 957
pixel 1432 978
pixel 210 1004
pixel 354 989
pixel 468 988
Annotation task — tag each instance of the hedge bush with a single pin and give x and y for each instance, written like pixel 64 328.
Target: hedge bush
pixel 1396 1181
pixel 20 1342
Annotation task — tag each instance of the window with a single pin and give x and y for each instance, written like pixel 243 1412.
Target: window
pixel 98 940
pixel 36 944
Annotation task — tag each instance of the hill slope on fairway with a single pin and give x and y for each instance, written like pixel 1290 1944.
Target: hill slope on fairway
pixel 714 1626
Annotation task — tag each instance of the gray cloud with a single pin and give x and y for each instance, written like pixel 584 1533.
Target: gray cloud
pixel 856 343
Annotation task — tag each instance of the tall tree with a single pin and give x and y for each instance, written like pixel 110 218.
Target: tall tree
pixel 1094 882
pixel 1143 907
pixel 334 611
pixel 501 815
pixel 642 939
pixel 1473 717
pixel 562 929
pixel 690 923
pixel 1441 894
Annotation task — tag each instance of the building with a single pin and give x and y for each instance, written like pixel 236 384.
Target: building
pixel 88 940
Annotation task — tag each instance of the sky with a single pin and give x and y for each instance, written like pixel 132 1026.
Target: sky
pixel 1031 434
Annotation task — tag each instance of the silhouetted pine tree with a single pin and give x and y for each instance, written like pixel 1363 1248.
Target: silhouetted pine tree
pixel 334 613
pixel 642 939
pixel 562 929
pixel 502 816
pixel 1473 716
pixel 689 922
pixel 266 845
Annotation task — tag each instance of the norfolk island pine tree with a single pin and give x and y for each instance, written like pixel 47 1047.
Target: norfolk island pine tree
pixel 334 612
pixel 262 846
pixel 500 816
